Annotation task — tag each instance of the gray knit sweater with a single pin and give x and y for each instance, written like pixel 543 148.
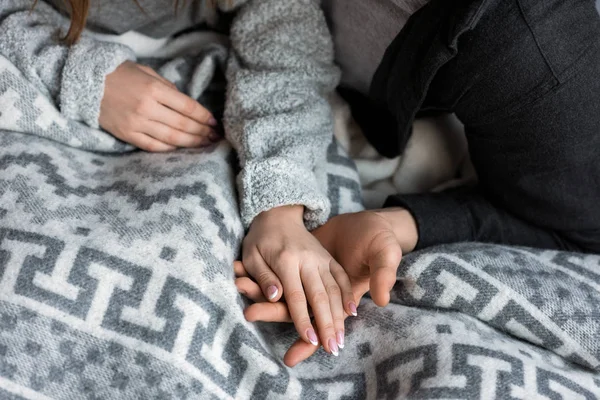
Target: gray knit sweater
pixel 276 117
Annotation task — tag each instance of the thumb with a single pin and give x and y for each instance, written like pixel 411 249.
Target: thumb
pixel 384 256
pixel 269 283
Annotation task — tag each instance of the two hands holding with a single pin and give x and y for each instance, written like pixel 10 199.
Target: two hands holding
pixel 329 270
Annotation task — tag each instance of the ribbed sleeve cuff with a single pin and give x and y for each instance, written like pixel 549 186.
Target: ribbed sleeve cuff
pixel 276 182
pixel 441 218
pixel 84 74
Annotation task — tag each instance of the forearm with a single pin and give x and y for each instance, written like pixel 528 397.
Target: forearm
pixel 277 116
pixel 465 215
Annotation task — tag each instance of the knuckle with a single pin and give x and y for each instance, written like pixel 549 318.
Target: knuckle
pixel 203 113
pixel 391 256
pixel 250 254
pixel 151 147
pixel 263 278
pixel 348 294
pixel 205 130
pixel 302 322
pixel 334 290
pixel 154 88
pixel 157 147
pixel 143 107
pixel 130 123
pixel 183 125
pixel 189 106
pixel 172 137
pixel 287 257
pixel 296 297
pixel 328 327
pixel 319 298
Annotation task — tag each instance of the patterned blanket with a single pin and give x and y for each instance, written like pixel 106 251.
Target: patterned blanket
pixel 116 282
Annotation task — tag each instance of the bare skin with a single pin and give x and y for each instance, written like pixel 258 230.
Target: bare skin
pixel 369 245
pixel 143 109
pixel 288 262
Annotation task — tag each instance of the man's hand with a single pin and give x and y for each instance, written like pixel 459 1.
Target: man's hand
pixel 285 259
pixel 369 245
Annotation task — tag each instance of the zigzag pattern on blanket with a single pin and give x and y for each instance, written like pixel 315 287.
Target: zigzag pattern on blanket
pixel 23 108
pixel 135 249
pixel 189 344
pixel 116 282
pixel 549 299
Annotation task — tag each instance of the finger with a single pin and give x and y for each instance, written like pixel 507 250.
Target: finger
pixel 348 298
pixel 172 136
pixel 182 123
pixel 187 106
pixel 155 74
pixel 298 352
pixel 318 298
pixel 265 277
pixel 360 288
pixel 297 306
pixel 147 143
pixel 250 289
pixel 239 270
pixel 268 312
pixel 336 305
pixel 383 263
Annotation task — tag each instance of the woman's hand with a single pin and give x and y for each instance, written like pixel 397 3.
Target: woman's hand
pixel 369 245
pixel 285 259
pixel 142 108
pixel 265 311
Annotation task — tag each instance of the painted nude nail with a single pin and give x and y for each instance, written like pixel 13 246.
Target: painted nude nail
pixel 272 292
pixel 340 339
pixel 333 347
pixel 353 309
pixel 312 336
pixel 213 122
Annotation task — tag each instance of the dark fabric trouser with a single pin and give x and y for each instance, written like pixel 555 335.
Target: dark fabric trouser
pixel 524 78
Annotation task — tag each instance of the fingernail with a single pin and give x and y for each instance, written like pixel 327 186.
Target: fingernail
pixel 353 309
pixel 312 336
pixel 340 339
pixel 333 347
pixel 213 122
pixel 272 292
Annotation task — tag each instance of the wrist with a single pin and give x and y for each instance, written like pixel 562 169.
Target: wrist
pixel 404 227
pixel 292 213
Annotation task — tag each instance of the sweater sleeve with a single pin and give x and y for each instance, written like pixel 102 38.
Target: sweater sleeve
pixel 277 116
pixel 72 76
pixel 465 215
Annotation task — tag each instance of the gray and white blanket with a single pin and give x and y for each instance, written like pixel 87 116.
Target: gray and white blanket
pixel 116 282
